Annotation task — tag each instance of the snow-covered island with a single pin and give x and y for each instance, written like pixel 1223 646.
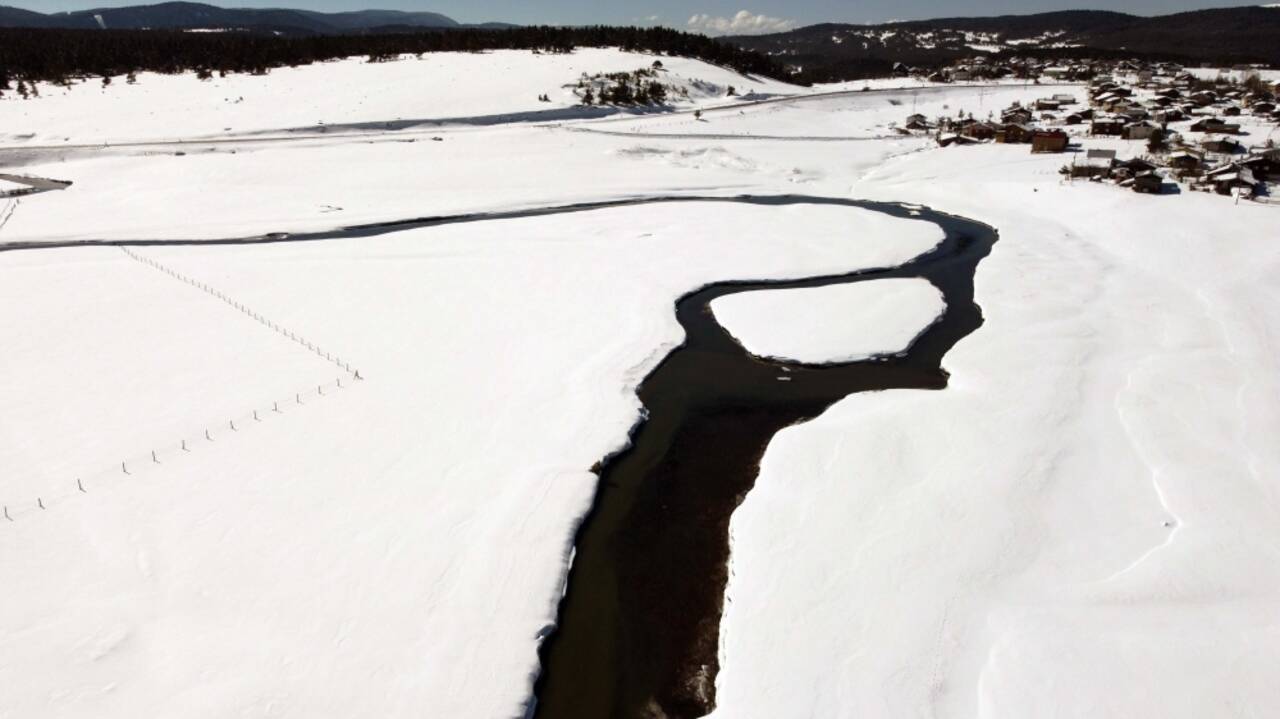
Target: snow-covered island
pixel 836 323
pixel 310 379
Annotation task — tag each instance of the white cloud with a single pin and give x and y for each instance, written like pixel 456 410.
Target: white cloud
pixel 744 23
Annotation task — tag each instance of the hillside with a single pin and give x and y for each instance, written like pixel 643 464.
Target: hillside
pixel 59 56
pixel 836 51
pixel 185 15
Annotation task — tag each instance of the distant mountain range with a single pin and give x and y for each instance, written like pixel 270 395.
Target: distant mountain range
pixel 197 16
pixel 1241 34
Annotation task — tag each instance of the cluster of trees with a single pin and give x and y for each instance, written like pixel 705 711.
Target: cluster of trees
pixel 52 55
pixel 640 87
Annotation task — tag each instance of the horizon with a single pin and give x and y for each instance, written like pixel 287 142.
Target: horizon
pixel 711 17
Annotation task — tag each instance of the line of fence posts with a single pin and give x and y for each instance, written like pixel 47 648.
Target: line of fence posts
pixel 256 316
pixel 275 405
pixel 182 445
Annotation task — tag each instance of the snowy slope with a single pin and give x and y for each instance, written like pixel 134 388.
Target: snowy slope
pixel 453 88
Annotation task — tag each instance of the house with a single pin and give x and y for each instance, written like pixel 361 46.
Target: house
pixel 1231 111
pixel 1065 98
pixel 1264 166
pixel 1148 182
pixel 1057 72
pixel 1186 160
pixel 917 121
pixel 1094 168
pixel 1204 98
pixel 1102 159
pixel 1231 178
pixel 1019 115
pixel 1135 113
pixel 1139 130
pixel 1049 141
pixel 978 130
pixel 1045 103
pixel 1132 167
pixel 1014 133
pixel 1221 144
pixel 1213 124
pixel 1264 107
pixel 950 138
pixel 1113 126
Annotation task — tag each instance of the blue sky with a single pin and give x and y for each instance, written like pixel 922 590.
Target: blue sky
pixel 713 15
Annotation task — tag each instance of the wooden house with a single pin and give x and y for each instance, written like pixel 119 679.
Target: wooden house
pixel 1231 178
pixel 978 130
pixel 1186 160
pixel 1221 144
pixel 1019 115
pixel 1049 141
pixel 1107 126
pixel 1139 130
pixel 1011 132
pixel 1148 182
pixel 1213 124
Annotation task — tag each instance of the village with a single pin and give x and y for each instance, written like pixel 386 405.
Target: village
pixel 1154 128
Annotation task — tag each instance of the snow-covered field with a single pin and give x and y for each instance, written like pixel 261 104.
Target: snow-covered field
pixel 1084 523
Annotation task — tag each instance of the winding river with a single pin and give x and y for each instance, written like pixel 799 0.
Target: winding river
pixel 638 628
pixel 637 631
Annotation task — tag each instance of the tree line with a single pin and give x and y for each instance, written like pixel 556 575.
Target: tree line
pixel 59 56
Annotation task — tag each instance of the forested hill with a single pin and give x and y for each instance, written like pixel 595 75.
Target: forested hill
pixel 1225 35
pixel 186 15
pixel 63 55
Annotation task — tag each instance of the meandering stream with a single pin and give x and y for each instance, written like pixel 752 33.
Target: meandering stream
pixel 638 628
pixel 637 631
